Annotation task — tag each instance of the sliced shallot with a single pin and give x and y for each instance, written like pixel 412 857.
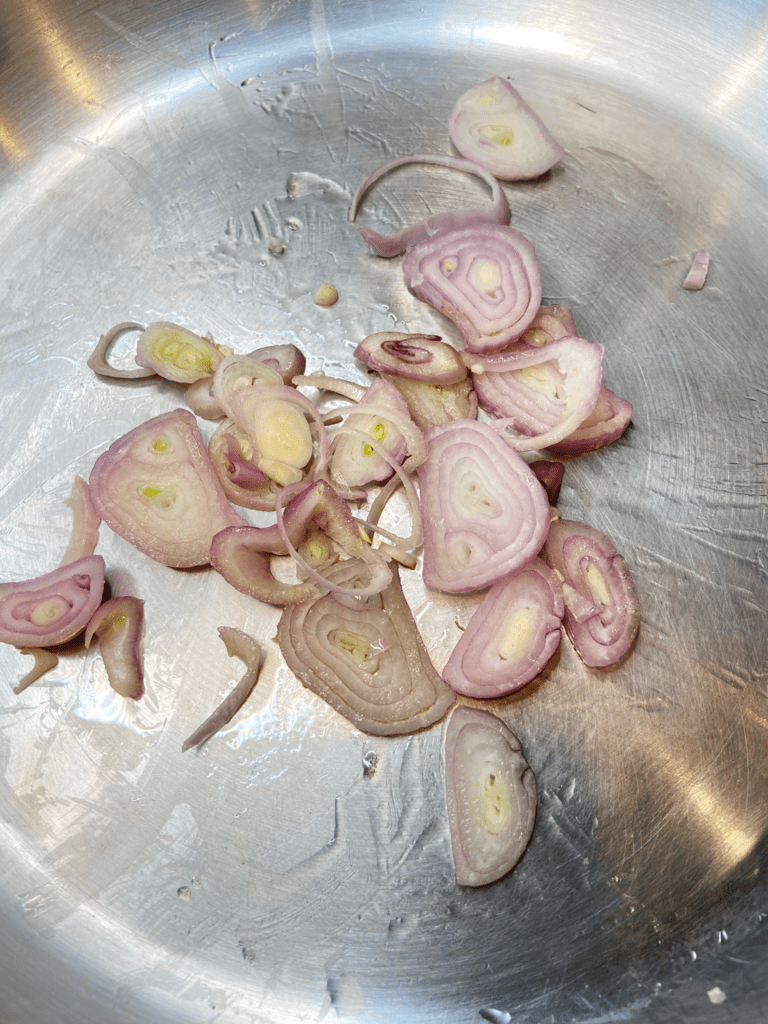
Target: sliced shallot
pixel 98 362
pixel 602 617
pixel 604 425
pixel 432 405
pixel 239 645
pixel 85 523
pixel 421 357
pixel 697 275
pixel 490 795
pixel 544 393
pixel 354 461
pixel 118 624
pixel 177 354
pixel 45 661
pixel 485 513
pixel 550 324
pixel 493 125
pixel 511 636
pixel 485 278
pixel 368 662
pixel 156 488
pixel 53 608
pixel 496 212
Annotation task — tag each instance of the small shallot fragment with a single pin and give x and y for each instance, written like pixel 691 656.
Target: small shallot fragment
pixel 45 661
pixel 287 359
pixel 604 425
pixel 326 295
pixel 118 624
pixel 492 124
pixel 550 324
pixel 602 611
pixel 485 513
pixel 485 278
pixel 53 608
pixel 156 488
pixel 496 212
pixel 368 661
pixel 423 357
pixel 239 645
pixel 490 795
pixel 512 634
pixel 97 360
pixel 697 275
pixel 177 354
pixel 85 523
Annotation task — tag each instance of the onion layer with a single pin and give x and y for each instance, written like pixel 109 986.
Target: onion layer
pixel 484 278
pixel 432 405
pixel 118 625
pixel 368 662
pixel 490 795
pixel 155 487
pixel 177 354
pixel 604 425
pixel 85 523
pixel 485 513
pixel 492 124
pixel 421 357
pixel 497 211
pixel 511 636
pixel 51 609
pixel 602 618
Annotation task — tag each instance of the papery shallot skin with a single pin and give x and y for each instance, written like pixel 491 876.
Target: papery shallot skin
pixel 602 618
pixel 485 513
pixel 492 124
pixel 490 795
pixel 368 662
pixel 53 608
pixel 484 278
pixel 156 488
pixel 511 636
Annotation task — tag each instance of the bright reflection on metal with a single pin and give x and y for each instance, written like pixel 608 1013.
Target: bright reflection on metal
pixel 527 37
pixel 65 63
pixel 10 142
pixel 733 83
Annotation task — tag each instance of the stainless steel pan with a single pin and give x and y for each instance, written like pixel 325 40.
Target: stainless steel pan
pixel 149 151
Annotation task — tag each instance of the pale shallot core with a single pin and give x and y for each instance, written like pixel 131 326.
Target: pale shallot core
pixel 511 635
pixel 550 324
pixel 156 488
pixel 490 795
pixel 604 425
pixel 326 295
pixel 544 394
pixel 485 513
pixel 45 661
pixel 238 645
pixel 175 353
pixel 53 608
pixel 237 372
pixel 496 212
pixel 697 275
pixel 118 624
pixel 98 362
pixel 85 523
pixel 485 278
pixel 424 357
pixel 493 125
pixel 368 662
pixel 602 611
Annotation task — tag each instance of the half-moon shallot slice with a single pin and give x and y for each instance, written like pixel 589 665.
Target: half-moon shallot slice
pixel 490 795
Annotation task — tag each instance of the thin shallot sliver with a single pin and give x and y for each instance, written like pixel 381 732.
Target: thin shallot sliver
pixel 239 645
pixel 697 275
pixel 118 625
pixel 45 661
pixel 85 523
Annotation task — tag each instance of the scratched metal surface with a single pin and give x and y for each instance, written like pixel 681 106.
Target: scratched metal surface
pixel 148 152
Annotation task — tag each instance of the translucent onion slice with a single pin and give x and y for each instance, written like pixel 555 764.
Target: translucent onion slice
pixel 485 278
pixel 604 425
pixel 589 563
pixel 422 357
pixel 53 608
pixel 45 661
pixel 492 124
pixel 85 523
pixel 177 354
pixel 543 393
pixel 490 795
pixel 239 645
pixel 496 212
pixel 118 624
pixel 432 405
pixel 369 662
pixel 98 362
pixel 354 461
pixel 274 417
pixel 511 636
pixel 485 513
pixel 156 488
